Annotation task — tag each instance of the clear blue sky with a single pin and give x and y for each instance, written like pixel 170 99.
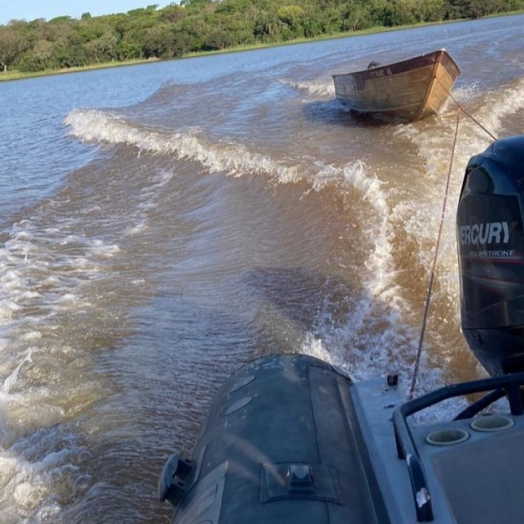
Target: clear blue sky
pixel 48 9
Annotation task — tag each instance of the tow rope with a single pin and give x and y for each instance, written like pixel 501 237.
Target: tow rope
pixel 460 109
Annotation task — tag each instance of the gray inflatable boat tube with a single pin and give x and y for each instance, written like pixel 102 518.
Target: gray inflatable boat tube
pixel 281 444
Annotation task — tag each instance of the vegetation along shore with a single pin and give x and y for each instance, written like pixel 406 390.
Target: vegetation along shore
pixel 65 44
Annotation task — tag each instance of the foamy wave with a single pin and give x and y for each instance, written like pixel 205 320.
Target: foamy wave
pixel 233 159
pixel 499 105
pixel 380 262
pixel 29 487
pixel 375 338
pixel 379 336
pixel 323 88
pixel 36 286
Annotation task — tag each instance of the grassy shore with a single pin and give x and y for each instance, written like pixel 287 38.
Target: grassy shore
pixel 17 75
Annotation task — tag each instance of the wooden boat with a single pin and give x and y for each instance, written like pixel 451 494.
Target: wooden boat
pixel 411 89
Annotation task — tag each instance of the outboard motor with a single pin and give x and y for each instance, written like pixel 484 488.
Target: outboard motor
pixel 490 236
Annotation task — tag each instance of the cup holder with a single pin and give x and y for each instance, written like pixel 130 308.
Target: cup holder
pixel 447 437
pixel 492 423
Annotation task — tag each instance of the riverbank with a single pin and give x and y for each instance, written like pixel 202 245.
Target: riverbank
pixel 17 75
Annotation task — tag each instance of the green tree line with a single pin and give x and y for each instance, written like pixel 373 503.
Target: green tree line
pixel 205 25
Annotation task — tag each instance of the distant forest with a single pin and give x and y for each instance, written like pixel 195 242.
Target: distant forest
pixel 205 25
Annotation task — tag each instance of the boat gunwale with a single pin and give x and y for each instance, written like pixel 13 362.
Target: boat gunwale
pixel 403 65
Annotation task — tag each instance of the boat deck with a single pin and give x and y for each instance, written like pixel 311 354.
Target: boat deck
pixel 461 461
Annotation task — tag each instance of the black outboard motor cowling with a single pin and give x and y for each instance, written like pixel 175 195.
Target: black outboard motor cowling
pixel 490 234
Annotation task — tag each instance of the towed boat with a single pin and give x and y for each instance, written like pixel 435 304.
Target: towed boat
pixel 409 90
pixel 291 439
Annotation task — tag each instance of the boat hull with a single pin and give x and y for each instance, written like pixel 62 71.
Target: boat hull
pixel 280 446
pixel 411 89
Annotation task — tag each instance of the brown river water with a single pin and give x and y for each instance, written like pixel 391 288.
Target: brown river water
pixel 163 224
